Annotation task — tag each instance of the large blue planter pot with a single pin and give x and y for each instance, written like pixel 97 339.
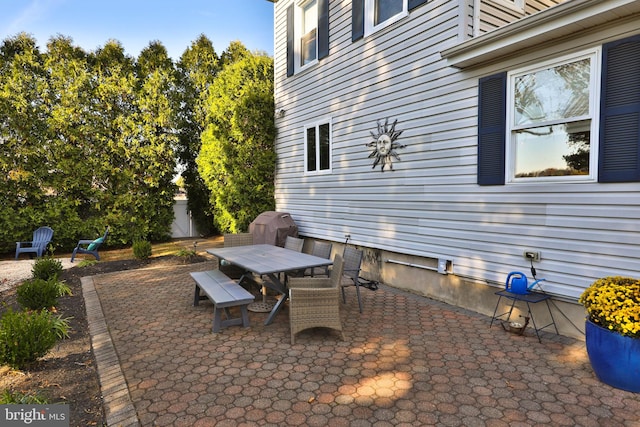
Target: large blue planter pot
pixel 615 359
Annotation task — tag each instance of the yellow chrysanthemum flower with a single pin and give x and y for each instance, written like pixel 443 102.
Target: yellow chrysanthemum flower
pixel 614 303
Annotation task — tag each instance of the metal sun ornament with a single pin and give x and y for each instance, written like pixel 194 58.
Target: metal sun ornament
pixel 385 145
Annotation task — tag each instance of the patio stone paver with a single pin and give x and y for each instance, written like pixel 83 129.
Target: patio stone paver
pixel 407 360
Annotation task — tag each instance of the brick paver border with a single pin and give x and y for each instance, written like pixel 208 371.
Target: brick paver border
pixel 118 407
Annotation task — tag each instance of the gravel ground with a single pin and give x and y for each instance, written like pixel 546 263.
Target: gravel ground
pixel 13 272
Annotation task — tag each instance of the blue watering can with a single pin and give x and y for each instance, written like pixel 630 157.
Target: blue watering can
pixel 517 283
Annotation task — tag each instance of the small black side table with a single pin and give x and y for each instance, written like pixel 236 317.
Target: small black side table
pixel 528 298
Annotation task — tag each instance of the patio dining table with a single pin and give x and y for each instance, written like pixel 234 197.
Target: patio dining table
pixel 270 261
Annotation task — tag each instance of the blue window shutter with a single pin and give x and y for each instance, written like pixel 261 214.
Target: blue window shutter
pixel 323 28
pixel 415 3
pixel 492 109
pixel 290 41
pixel 357 20
pixel 619 155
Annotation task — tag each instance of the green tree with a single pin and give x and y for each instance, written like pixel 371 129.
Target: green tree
pixel 24 160
pixel 91 139
pixel 196 70
pixel 234 53
pixel 154 165
pixel 237 158
pixel 115 131
pixel 70 127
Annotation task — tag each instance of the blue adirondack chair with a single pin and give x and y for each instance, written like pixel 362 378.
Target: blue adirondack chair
pixel 41 238
pixel 88 246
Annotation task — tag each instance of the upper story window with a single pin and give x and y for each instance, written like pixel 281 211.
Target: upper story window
pixel 551 120
pixel 317 147
pixel 381 13
pixel 369 16
pixel 308 36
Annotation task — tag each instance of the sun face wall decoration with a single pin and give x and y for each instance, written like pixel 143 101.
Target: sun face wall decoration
pixel 385 145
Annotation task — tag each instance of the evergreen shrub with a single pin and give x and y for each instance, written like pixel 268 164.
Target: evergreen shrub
pixel 142 249
pixel 46 268
pixel 40 294
pixel 26 336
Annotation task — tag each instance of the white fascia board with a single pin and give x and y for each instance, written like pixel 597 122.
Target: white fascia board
pixel 551 24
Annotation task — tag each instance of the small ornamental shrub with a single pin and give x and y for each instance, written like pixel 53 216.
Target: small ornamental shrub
pixel 16 398
pixel 141 249
pixel 26 336
pixel 40 294
pixel 187 255
pixel 87 263
pixel 46 268
pixel 614 303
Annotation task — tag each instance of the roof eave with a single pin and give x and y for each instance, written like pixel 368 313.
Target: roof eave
pixel 543 27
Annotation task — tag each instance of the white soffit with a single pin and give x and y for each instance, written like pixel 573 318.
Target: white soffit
pixel 559 21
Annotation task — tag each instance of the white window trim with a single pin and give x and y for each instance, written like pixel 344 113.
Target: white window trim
pixel 594 108
pixel 297 36
pixel 317 125
pixel 369 28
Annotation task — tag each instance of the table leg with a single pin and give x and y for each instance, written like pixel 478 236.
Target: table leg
pixel 281 288
pixel 263 306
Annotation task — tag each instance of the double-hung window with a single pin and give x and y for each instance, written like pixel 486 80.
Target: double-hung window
pixel 317 147
pixel 380 13
pixel 572 119
pixel 369 16
pixel 551 119
pixel 307 34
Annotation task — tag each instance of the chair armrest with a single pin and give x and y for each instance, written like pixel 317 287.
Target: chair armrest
pixel 309 282
pixel 85 241
pixel 313 293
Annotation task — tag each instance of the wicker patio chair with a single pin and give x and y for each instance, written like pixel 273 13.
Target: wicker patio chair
pixel 231 240
pixel 322 250
pixel 314 302
pixel 352 263
pixel 238 239
pixel 294 243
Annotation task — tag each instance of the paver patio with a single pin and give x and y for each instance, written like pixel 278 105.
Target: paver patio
pixel 407 360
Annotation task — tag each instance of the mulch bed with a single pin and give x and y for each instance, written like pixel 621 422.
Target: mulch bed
pixel 67 374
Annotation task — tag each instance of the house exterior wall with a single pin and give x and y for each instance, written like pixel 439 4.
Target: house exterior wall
pixel 430 206
pixel 497 13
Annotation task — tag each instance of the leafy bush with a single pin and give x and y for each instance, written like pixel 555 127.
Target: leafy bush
pixel 187 255
pixel 87 263
pixel 46 268
pixel 40 294
pixel 26 336
pixel 16 398
pixel 141 249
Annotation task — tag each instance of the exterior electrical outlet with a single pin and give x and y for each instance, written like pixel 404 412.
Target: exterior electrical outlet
pixel 444 266
pixel 531 254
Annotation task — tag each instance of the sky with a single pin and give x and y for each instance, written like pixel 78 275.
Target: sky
pixel 136 23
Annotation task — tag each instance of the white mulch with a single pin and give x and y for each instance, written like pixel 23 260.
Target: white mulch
pixel 14 272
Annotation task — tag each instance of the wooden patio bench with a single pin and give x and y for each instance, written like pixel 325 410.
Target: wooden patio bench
pixel 223 292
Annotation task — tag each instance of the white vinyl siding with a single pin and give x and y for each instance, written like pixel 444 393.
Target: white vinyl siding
pixel 498 13
pixel 430 204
